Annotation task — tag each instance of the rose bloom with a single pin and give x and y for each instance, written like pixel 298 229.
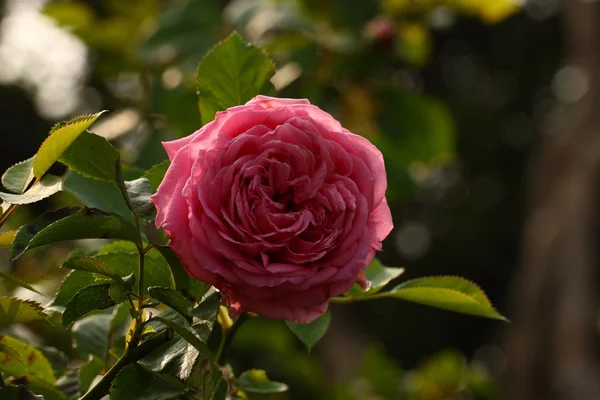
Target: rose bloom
pixel 276 205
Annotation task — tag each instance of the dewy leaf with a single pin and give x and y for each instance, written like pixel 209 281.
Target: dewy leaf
pixel 171 298
pixel 18 281
pixel 232 73
pixel 94 297
pixel 92 156
pixel 449 293
pixel 256 381
pixel 36 365
pixel 139 192
pixel 379 276
pixel 310 334
pixel 14 311
pixel 86 223
pixel 89 264
pixel 18 177
pixel 73 283
pixel 156 174
pixel 46 187
pixel 59 140
pixel 90 335
pixel 136 382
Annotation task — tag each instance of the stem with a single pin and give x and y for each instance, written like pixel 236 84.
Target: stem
pixel 130 357
pixel 347 300
pixel 5 216
pixel 228 338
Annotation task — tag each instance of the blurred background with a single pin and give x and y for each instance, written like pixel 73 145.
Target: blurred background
pixel 487 112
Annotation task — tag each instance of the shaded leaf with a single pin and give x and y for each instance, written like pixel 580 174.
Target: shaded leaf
pixel 139 192
pixel 136 382
pixel 92 156
pixel 94 193
pixel 86 223
pixel 189 336
pixel 18 281
pixel 83 263
pixel 449 293
pixel 18 177
pixel 88 372
pixel 208 308
pixel 311 333
pixel 45 389
pixel 171 298
pixel 90 335
pixel 205 378
pixel 256 381
pixel 14 311
pixel 20 392
pixel 232 73
pixel 36 365
pixel 60 138
pixel 42 189
pixel 94 297
pixel 74 282
pixel 156 174
pixel 191 288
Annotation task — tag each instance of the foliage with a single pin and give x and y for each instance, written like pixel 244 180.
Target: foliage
pixel 138 325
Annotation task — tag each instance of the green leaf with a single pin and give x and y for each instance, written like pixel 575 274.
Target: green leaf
pixel 92 156
pixel 448 293
pixel 379 276
pixel 156 174
pixel 191 288
pixel 256 381
pixel 19 392
pixel 135 382
pixel 36 365
pixel 190 337
pixel 94 193
pixel 88 372
pixel 205 379
pixel 10 352
pixel 232 73
pixel 14 311
pixel 59 140
pixel 18 177
pixel 18 281
pixel 83 263
pixel 171 298
pixel 6 238
pixel 208 308
pixel 42 189
pixel 310 334
pixel 94 297
pixel 45 389
pixel 87 223
pixel 139 192
pixel 90 335
pixel 74 282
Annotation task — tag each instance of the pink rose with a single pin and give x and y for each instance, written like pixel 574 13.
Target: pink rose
pixel 276 205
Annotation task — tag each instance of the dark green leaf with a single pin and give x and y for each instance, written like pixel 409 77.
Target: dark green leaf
pixel 46 187
pixel 92 156
pixel 139 192
pixel 379 276
pixel 74 282
pixel 58 359
pixel 45 389
pixel 19 392
pixel 14 311
pixel 310 334
pixel 449 293
pixel 86 223
pixel 208 308
pixel 18 177
pixel 171 298
pixel 135 382
pixel 204 378
pixel 94 297
pixel 83 263
pixel 90 335
pixel 191 288
pixel 189 336
pixel 256 381
pixel 36 365
pixel 232 73
pixel 18 281
pixel 88 372
pixel 91 192
pixel 156 174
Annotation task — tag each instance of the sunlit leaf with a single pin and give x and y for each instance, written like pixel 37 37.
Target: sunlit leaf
pixel 14 311
pixel 6 238
pixel 92 156
pixel 256 381
pixel 36 365
pixel 232 73
pixel 42 189
pixel 18 177
pixel 379 276
pixel 311 333
pixel 449 293
pixel 60 138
